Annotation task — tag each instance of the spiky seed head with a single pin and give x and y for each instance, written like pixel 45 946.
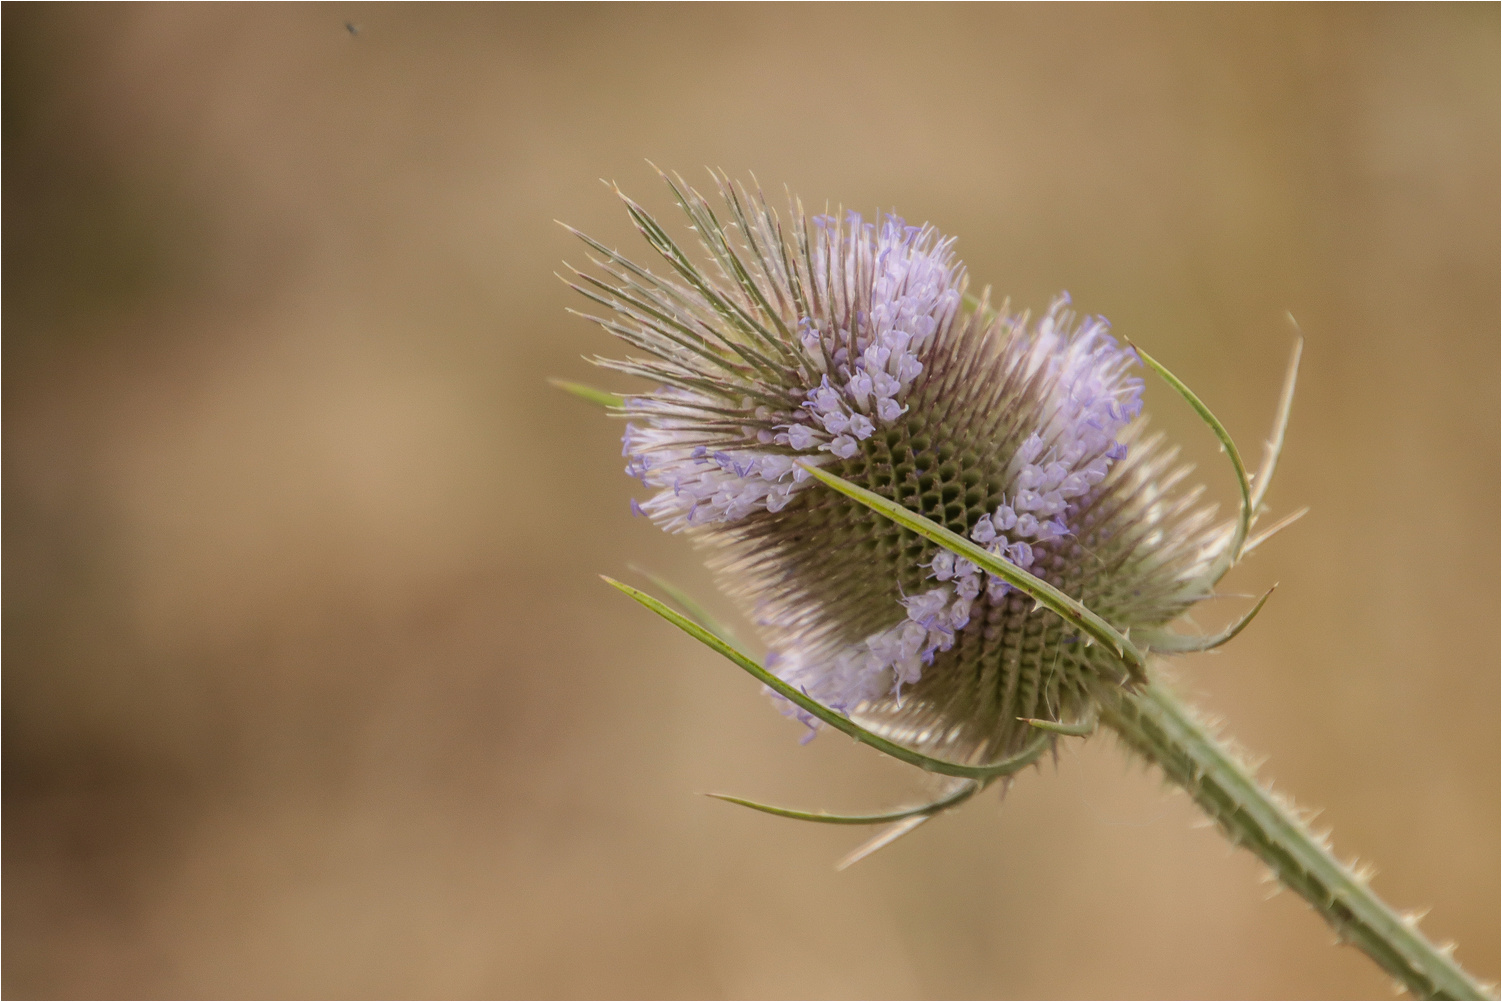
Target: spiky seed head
pixel 849 344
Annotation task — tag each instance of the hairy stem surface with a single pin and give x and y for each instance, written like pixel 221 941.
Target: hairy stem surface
pixel 1154 723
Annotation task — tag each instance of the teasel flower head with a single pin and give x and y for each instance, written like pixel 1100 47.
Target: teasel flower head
pixel 793 346
pixel 949 520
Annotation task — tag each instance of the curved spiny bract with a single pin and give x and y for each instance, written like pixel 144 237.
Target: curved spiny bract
pixel 847 345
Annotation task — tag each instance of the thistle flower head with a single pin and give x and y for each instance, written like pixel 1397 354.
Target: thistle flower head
pixel 849 344
pixel 948 519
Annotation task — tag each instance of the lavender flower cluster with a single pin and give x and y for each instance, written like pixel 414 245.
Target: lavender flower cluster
pixel 874 356
pixel 1093 400
pixel 881 665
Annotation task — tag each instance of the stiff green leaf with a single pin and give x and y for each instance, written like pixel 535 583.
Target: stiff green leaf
pixel 836 720
pixel 1244 518
pixel 1045 594
pixel 688 604
pixel 967 791
pixel 1174 643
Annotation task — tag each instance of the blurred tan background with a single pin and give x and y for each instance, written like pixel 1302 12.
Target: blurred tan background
pixel 309 685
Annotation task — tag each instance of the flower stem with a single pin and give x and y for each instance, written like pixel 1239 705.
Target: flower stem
pixel 1165 731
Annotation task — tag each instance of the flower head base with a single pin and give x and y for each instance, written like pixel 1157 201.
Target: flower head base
pixel 848 345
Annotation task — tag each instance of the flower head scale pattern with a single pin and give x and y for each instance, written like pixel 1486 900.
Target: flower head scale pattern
pixel 845 343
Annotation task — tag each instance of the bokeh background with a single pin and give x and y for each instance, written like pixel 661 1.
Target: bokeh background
pixel 309 685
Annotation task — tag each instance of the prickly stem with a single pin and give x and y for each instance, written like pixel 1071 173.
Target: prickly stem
pixel 1160 728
